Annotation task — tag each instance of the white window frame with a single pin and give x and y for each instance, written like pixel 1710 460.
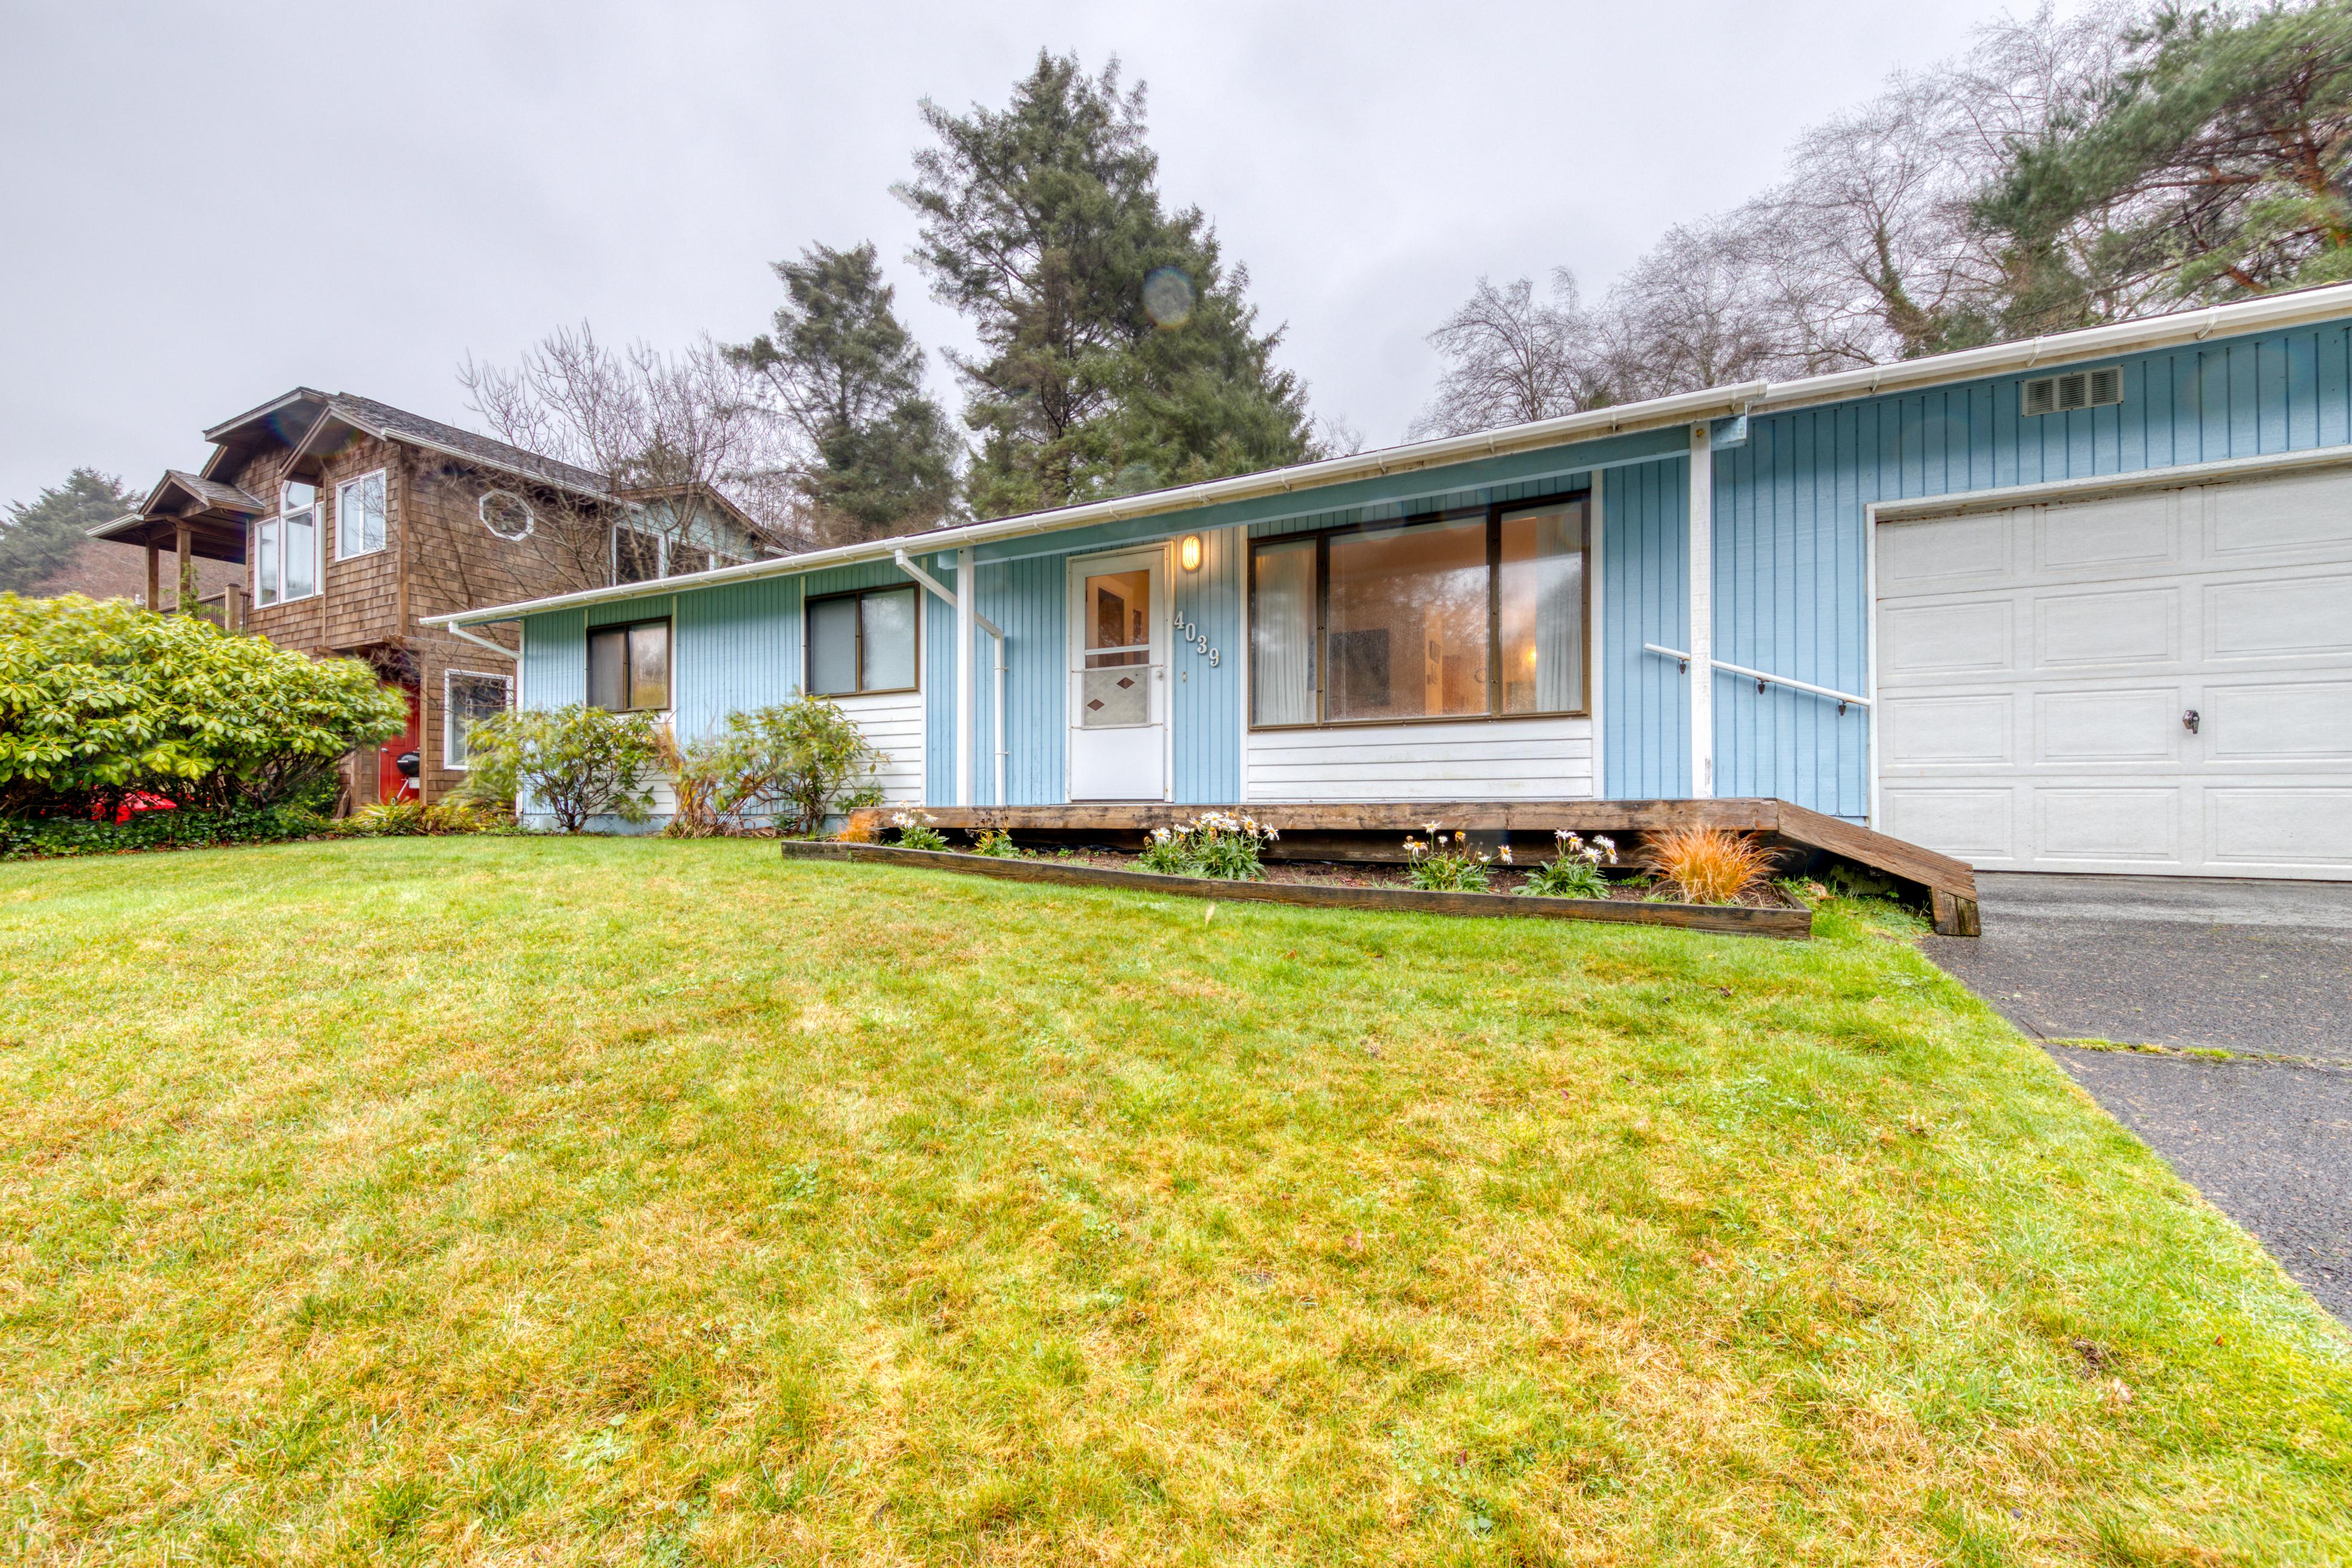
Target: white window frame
pixel 317 549
pixel 450 737
pixel 353 483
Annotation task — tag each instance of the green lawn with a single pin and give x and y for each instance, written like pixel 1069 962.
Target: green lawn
pixel 529 1201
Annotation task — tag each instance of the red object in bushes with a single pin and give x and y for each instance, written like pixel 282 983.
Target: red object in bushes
pixel 132 804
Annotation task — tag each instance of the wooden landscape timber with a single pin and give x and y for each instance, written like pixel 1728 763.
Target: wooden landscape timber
pixel 1736 920
pixel 1374 831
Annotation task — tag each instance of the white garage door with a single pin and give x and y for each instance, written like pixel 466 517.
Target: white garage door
pixel 2037 668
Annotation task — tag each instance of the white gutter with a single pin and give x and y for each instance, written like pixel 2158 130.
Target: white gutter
pixel 2270 313
pixel 963 655
pixel 479 641
pixel 1657 413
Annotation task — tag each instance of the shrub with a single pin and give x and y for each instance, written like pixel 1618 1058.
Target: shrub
pixel 1707 865
pixel 996 844
pixel 793 764
pixel 102 700
pixel 399 818
pixel 1575 872
pixel 30 838
pixel 572 762
pixel 1215 844
pixel 914 830
pixel 1436 865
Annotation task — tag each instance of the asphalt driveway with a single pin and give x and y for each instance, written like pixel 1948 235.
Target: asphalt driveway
pixel 2260 969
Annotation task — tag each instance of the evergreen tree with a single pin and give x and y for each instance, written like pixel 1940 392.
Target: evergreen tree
pixel 2214 167
pixel 1118 352
pixel 40 539
pixel 849 376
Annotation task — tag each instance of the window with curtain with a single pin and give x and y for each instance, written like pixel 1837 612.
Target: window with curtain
pixel 1477 616
pixel 628 667
pixel 359 515
pixel 1282 632
pixel 861 641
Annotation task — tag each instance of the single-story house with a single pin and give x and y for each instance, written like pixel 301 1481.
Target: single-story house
pixel 2082 603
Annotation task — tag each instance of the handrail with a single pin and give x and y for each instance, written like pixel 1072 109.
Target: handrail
pixel 1763 678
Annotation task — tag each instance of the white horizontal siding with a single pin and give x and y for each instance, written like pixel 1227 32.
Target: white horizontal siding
pixel 1503 759
pixel 893 725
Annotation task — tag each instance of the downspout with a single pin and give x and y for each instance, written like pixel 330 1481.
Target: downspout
pixel 965 693
pixel 1004 742
pixel 1702 612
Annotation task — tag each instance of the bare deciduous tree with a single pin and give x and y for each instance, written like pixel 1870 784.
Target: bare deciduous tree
pixel 1514 359
pixel 1869 251
pixel 676 450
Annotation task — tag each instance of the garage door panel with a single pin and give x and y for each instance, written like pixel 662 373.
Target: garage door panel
pixel 2294 514
pixel 1945 640
pixel 2280 723
pixel 1975 825
pixel 1949 732
pixel 2132 726
pixel 2109 825
pixel 2127 532
pixel 2275 829
pixel 1942 557
pixel 2269 619
pixel 2034 667
pixel 2073 631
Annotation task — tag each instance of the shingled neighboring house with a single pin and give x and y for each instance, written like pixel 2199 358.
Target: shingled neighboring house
pixel 351 521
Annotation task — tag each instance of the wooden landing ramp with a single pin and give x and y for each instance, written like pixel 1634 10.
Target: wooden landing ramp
pixel 1374 830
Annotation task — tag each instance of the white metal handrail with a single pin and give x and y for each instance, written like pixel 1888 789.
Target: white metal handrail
pixel 1763 677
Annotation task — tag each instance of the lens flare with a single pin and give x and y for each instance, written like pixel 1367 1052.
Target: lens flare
pixel 1168 297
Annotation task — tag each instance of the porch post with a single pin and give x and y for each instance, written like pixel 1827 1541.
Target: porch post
pixel 182 599
pixel 964 692
pixel 1701 557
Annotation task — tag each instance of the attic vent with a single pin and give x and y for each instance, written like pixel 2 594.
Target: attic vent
pixel 2099 388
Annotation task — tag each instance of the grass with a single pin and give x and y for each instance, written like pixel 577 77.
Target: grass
pixel 526 1201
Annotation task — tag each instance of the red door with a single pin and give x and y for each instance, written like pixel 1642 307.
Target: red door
pixel 397 760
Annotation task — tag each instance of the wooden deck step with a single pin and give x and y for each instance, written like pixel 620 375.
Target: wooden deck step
pixel 1375 830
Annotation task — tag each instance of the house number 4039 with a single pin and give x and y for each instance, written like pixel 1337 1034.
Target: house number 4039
pixel 1197 638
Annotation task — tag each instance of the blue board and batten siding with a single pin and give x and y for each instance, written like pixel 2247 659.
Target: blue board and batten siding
pixel 1790 588
pixel 1789 579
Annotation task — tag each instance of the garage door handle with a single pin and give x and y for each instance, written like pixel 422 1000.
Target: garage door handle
pixel 2189 721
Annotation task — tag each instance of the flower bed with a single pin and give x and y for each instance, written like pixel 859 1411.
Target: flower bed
pixel 1322 885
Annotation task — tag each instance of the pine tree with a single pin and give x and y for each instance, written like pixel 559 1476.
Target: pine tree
pixel 849 377
pixel 40 538
pixel 2215 167
pixel 1118 352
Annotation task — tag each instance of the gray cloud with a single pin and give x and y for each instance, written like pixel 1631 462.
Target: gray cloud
pixel 208 203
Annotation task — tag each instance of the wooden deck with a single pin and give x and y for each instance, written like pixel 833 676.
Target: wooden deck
pixel 1375 831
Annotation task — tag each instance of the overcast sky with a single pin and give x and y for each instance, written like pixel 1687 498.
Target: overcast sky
pixel 205 204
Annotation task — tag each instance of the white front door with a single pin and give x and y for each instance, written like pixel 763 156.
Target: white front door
pixel 2158 681
pixel 1118 677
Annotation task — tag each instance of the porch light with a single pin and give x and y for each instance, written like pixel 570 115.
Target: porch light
pixel 1189 552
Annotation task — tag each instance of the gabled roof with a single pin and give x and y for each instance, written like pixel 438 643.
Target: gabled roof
pixel 2268 313
pixel 214 514
pixel 207 494
pixel 381 419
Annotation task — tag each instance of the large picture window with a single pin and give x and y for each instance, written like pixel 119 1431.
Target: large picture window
pixel 861 641
pixel 286 547
pixel 628 667
pixel 359 515
pixel 468 699
pixel 1476 616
